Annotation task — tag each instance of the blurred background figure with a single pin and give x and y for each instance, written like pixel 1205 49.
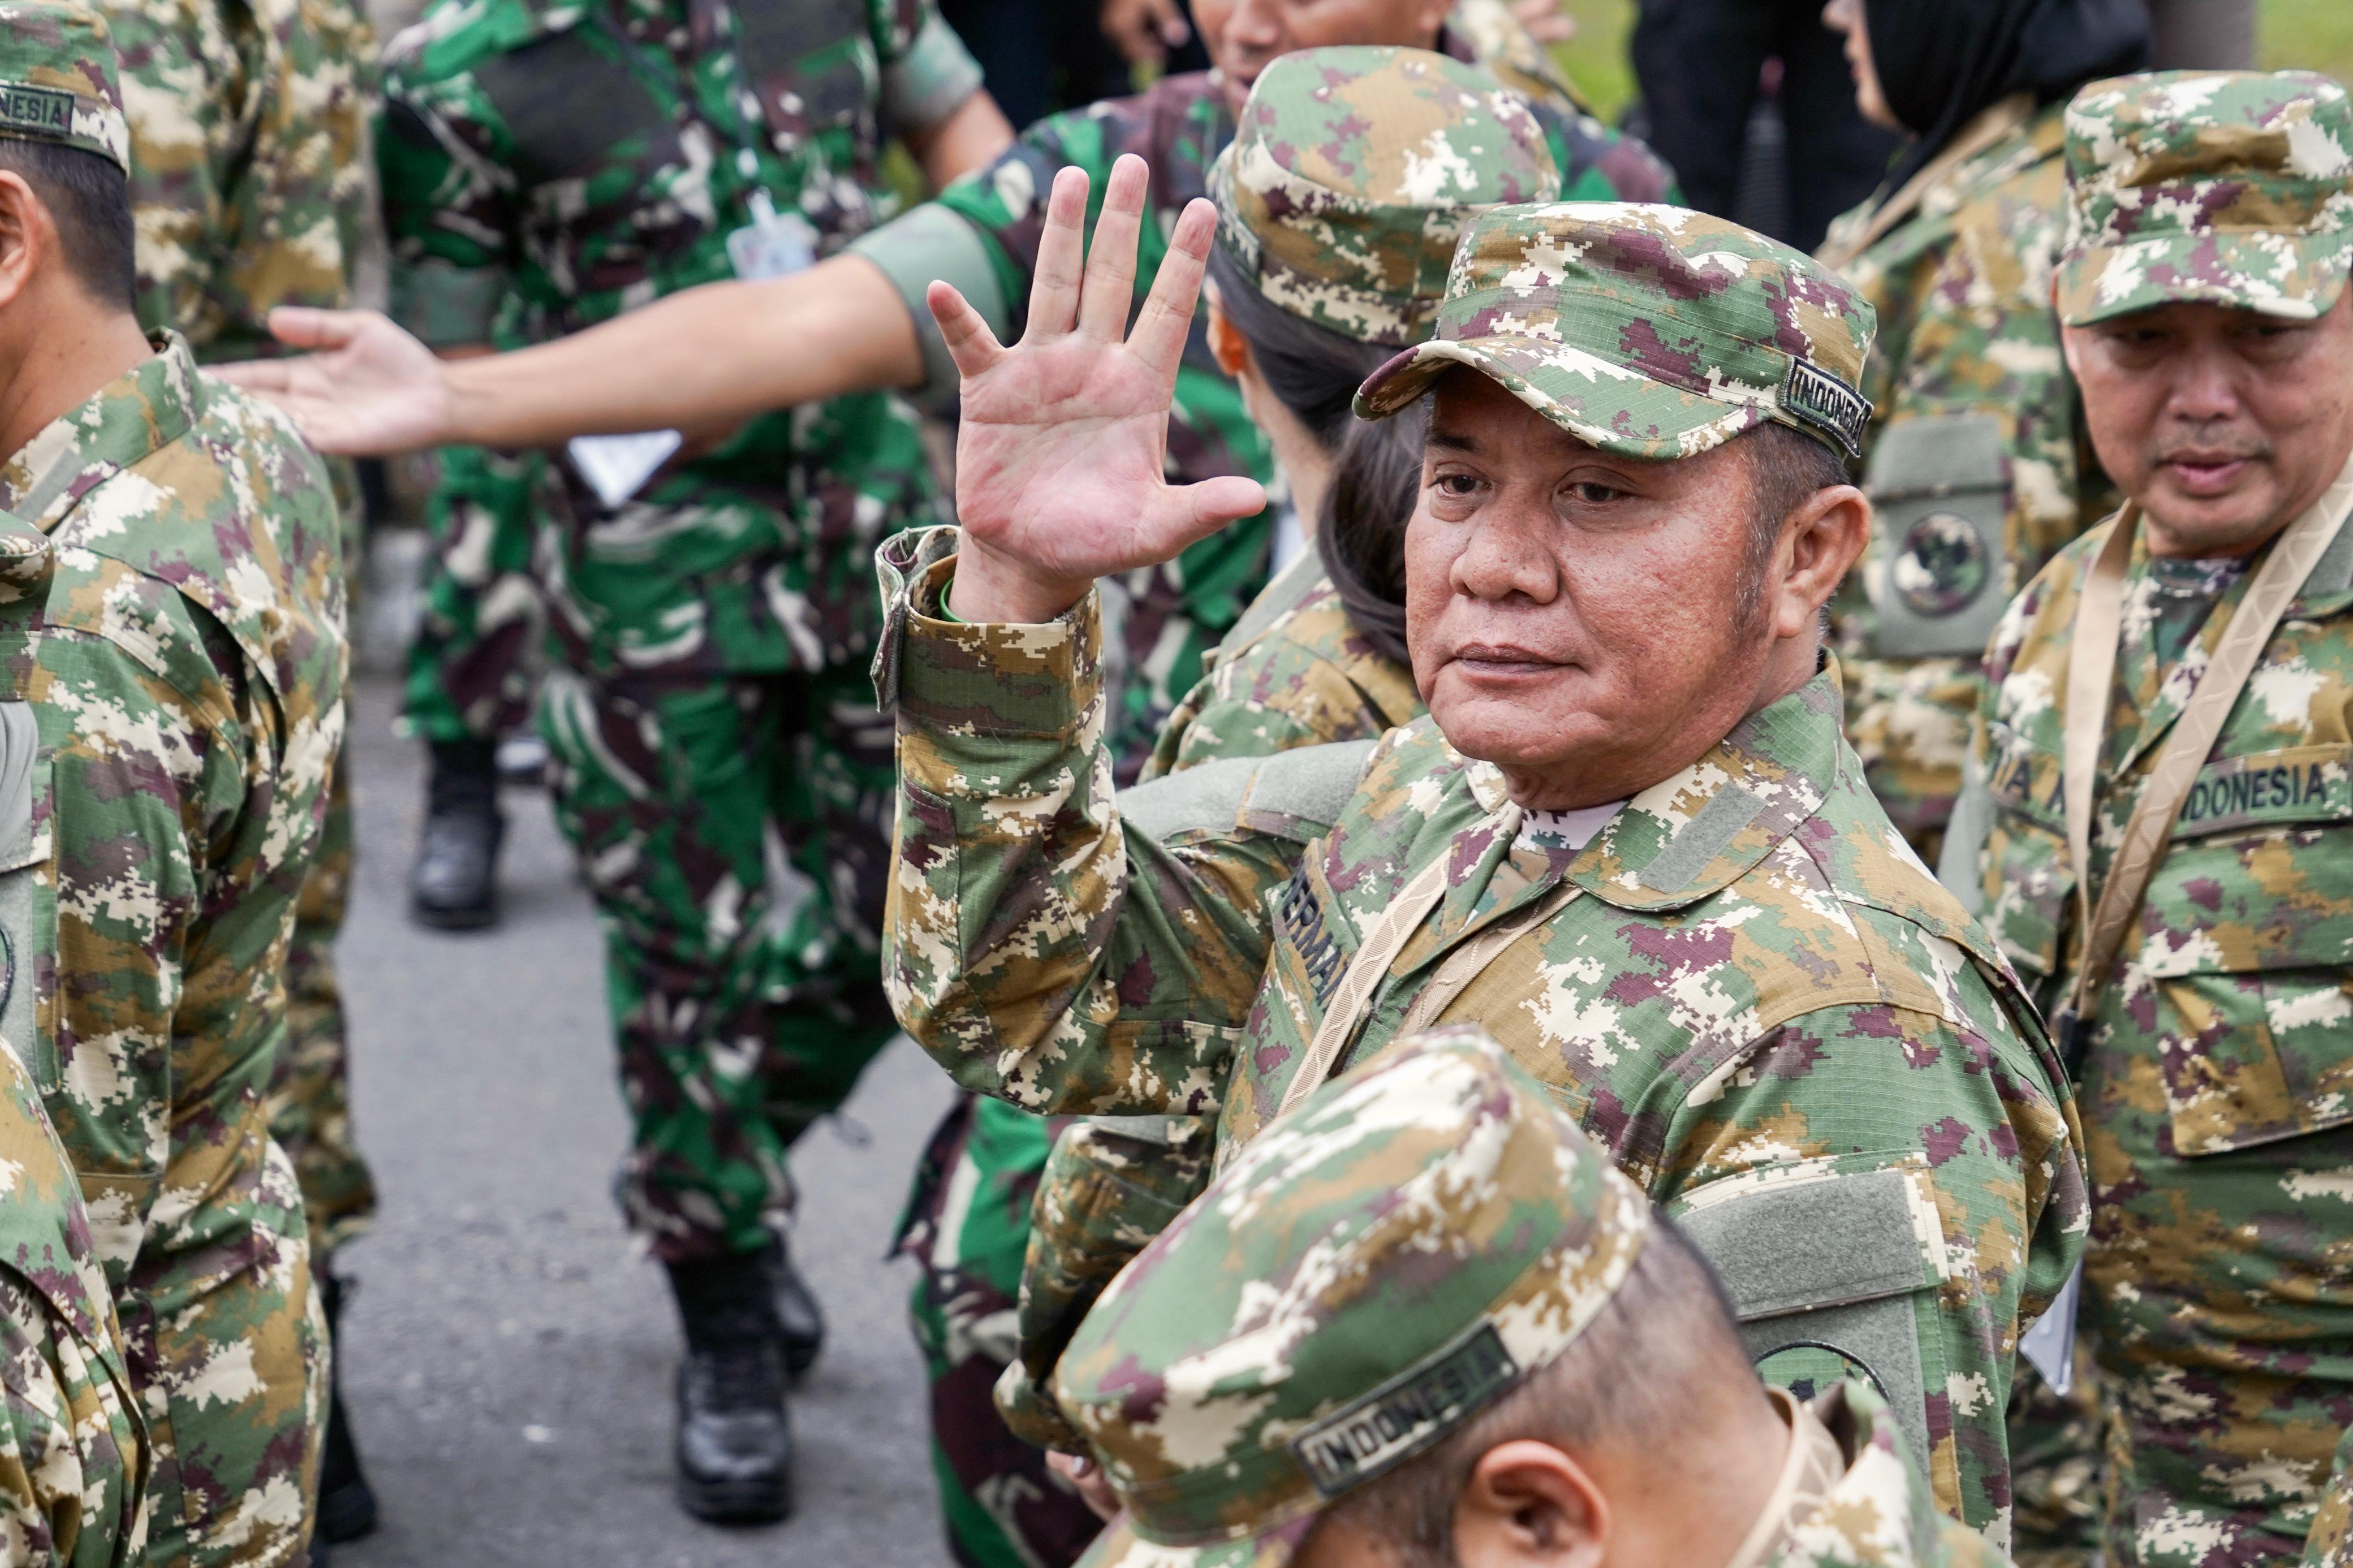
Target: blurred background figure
pixel 1706 67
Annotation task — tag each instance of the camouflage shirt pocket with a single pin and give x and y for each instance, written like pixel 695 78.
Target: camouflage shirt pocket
pixel 2247 940
pixel 2028 879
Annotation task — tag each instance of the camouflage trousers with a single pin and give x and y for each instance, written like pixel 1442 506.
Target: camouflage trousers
pixel 226 1345
pixel 734 831
pixel 310 1096
pixel 2057 1467
pixel 470 664
pixel 967 1227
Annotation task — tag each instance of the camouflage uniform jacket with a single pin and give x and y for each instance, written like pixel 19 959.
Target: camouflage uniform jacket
pixel 1308 678
pixel 982 234
pixel 187 679
pixel 515 219
pixel 1765 988
pixel 248 134
pixel 2216 1080
pixel 1966 334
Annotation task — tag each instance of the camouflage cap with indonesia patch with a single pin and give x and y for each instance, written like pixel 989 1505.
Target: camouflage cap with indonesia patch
pixel 1650 332
pixel 1352 173
pixel 1369 1273
pixel 58 80
pixel 2222 188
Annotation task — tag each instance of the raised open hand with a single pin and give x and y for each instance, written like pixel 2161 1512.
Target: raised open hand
pixel 371 389
pixel 1060 458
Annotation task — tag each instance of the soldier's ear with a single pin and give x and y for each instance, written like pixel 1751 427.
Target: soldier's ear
pixel 1530 1505
pixel 1227 343
pixel 27 236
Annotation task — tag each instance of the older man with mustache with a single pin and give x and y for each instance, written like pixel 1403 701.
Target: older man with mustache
pixel 1629 839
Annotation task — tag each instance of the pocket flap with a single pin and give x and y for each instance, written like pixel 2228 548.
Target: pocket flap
pixel 1800 1237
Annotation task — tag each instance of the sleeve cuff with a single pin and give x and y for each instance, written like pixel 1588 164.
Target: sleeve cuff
pixel 446 306
pixel 929 80
pixel 933 242
pixel 989 678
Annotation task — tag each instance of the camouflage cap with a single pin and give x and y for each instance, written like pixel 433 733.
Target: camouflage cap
pixel 57 80
pixel 2229 187
pixel 1651 332
pixel 1352 174
pixel 1369 1272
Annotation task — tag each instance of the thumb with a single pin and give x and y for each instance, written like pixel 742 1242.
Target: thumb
pixel 1190 512
pixel 304 327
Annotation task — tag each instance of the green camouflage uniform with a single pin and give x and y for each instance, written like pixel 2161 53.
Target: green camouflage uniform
pixel 2219 1280
pixel 982 235
pixel 716 762
pixel 1287 687
pixel 1379 1268
pixel 1745 984
pixel 187 680
pixel 72 1451
pixel 1977 458
pixel 248 185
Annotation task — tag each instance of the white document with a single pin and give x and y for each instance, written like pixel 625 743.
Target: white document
pixel 618 467
pixel 2050 1344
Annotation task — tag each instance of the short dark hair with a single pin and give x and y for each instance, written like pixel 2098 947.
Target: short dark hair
pixel 88 199
pixel 1786 467
pixel 1663 1354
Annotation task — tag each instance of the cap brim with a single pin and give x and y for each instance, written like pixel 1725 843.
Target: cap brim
pixel 1604 404
pixel 2295 277
pixel 1119 1546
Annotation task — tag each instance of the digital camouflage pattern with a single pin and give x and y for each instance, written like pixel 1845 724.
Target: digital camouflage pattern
pixel 1430 1221
pixel 2232 187
pixel 1710 1000
pixel 1309 678
pixel 2218 1282
pixel 1171 615
pixel 72 1461
pixel 2330 1544
pixel 1348 185
pixel 1653 331
pixel 1962 290
pixel 248 190
pixel 188 684
pixel 73 1454
pixel 57 82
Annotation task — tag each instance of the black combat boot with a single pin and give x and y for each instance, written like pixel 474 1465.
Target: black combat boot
pixel 455 884
pixel 735 1438
pixel 346 1501
pixel 797 1313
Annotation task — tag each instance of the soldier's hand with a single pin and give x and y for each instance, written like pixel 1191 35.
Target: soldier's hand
pixel 1060 458
pixel 369 389
pixel 1086 1478
pixel 1545 20
pixel 1144 31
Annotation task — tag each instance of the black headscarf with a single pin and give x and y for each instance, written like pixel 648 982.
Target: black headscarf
pixel 1944 62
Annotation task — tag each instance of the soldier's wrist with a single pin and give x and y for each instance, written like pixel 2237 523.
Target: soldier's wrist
pixel 991 587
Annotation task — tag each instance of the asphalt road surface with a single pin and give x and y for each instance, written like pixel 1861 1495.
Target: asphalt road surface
pixel 508 1355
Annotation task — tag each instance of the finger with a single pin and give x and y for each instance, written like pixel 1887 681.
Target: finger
pixel 304 327
pixel 1110 263
pixel 1062 257
pixel 268 377
pixel 1167 315
pixel 1170 21
pixel 970 342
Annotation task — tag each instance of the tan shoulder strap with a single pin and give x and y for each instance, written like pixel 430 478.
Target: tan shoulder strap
pixel 1373 957
pixel 2091 669
pixel 1989 126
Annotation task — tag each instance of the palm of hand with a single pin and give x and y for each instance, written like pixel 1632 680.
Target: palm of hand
pixel 1062 454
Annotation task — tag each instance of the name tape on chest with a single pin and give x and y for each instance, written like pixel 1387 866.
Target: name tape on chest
pixel 1302 923
pixel 1405 1414
pixel 2307 783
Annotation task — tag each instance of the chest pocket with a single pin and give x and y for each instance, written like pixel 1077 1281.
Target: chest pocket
pixel 2027 877
pixel 586 177
pixel 814 66
pixel 2247 938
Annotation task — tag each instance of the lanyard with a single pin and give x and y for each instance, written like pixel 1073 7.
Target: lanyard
pixel 2091 670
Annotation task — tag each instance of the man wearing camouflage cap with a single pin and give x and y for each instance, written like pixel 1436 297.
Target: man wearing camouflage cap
pixel 186 678
pixel 1422 1321
pixel 2169 791
pixel 1628 839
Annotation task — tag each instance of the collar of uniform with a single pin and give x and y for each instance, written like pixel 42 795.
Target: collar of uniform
pixel 1879 1511
pixel 123 421
pixel 1696 832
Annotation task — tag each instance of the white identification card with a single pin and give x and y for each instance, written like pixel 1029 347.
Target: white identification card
pixel 618 467
pixel 2050 1344
pixel 773 245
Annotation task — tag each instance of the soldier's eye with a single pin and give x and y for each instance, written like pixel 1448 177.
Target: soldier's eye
pixel 1456 485
pixel 1592 494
